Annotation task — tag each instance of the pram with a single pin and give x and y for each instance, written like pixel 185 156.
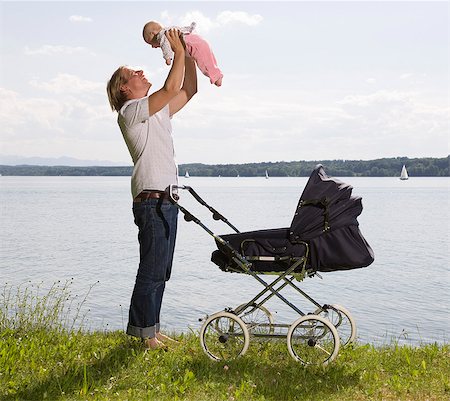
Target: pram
pixel 323 236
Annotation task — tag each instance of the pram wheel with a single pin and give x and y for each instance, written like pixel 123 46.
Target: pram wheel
pixel 258 319
pixel 224 336
pixel 341 318
pixel 313 340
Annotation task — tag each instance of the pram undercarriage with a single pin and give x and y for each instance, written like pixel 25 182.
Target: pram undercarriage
pixel 292 254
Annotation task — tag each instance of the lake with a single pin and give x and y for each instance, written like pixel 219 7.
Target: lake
pixel 58 228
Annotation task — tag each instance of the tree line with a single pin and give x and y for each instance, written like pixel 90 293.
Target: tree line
pixel 387 167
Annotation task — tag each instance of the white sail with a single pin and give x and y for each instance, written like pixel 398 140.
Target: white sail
pixel 404 173
pixel 186 175
pixel 267 174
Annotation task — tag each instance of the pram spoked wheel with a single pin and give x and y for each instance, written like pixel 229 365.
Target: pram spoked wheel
pixel 224 336
pixel 258 319
pixel 313 340
pixel 342 319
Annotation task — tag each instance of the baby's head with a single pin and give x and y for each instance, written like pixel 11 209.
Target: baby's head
pixel 151 29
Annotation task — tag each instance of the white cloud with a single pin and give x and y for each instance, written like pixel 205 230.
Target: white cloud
pixel 8 111
pixel 371 81
pixel 385 97
pixel 79 18
pixel 67 83
pixel 406 76
pixel 380 124
pixel 55 118
pixel 166 17
pixel 206 24
pixel 23 116
pixel 48 50
pixel 231 17
pixel 398 120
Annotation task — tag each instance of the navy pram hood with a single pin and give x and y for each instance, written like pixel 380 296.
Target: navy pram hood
pixel 326 204
pixel 325 220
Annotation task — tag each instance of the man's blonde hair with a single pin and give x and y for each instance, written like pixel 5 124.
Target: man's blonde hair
pixel 116 97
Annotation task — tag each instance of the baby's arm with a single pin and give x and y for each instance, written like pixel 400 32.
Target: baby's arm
pixel 165 47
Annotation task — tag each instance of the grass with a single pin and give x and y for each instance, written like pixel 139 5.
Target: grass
pixel 43 359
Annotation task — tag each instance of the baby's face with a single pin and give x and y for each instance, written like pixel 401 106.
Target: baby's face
pixel 152 40
pixel 150 33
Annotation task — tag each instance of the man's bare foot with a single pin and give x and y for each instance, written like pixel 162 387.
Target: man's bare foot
pixel 163 337
pixel 218 82
pixel 154 344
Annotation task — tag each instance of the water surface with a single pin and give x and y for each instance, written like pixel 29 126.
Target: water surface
pixel 57 228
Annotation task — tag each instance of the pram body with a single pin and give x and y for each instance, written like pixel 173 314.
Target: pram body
pixel 323 236
pixel 325 219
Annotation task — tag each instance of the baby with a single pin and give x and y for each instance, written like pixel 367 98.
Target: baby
pixel 197 47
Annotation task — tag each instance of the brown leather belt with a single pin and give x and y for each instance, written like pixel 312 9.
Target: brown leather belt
pixel 145 195
pixel 150 195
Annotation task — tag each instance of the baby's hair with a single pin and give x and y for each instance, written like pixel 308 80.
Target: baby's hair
pixel 150 27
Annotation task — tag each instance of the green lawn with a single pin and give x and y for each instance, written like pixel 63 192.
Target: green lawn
pixel 40 358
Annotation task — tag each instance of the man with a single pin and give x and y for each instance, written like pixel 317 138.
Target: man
pixel 145 124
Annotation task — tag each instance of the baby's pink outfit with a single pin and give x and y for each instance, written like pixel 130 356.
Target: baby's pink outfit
pixel 198 48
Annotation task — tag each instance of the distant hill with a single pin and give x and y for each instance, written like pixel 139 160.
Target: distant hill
pixel 387 167
pixel 12 160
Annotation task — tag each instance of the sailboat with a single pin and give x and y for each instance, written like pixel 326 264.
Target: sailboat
pixel 267 175
pixel 186 175
pixel 404 173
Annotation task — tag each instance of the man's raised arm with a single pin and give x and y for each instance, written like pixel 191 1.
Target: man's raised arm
pixel 188 89
pixel 172 85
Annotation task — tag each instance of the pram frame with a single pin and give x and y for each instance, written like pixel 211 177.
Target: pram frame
pixel 269 288
pixel 242 261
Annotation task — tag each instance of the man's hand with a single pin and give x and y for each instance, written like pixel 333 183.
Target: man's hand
pixel 173 36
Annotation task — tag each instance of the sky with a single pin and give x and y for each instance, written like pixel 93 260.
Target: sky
pixel 306 80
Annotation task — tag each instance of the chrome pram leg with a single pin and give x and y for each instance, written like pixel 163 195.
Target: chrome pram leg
pixel 339 316
pixel 270 288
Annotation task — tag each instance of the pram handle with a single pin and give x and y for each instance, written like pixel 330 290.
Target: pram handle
pixel 187 215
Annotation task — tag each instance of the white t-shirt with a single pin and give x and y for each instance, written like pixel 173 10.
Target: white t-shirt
pixel 150 143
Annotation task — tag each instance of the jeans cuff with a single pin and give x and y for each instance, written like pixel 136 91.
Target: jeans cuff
pixel 142 332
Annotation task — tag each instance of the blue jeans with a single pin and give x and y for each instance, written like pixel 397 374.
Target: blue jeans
pixel 157 222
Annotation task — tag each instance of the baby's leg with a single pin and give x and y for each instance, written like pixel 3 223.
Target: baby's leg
pixel 199 49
